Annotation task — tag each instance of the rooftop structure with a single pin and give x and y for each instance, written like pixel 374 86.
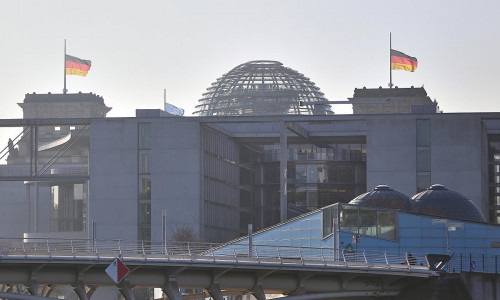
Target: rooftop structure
pixel 383 196
pixel 80 105
pixel 258 88
pixel 438 200
pixel 398 101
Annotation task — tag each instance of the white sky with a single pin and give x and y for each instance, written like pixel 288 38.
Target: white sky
pixel 138 48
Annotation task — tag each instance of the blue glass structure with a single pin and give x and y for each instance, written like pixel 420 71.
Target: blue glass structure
pixel 340 227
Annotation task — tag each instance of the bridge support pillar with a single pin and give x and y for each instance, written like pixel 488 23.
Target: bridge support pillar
pixel 215 292
pixel 80 290
pixel 126 290
pixel 47 290
pixel 171 289
pixel 258 292
pixel 33 289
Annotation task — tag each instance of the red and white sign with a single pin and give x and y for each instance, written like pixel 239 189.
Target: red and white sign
pixel 117 270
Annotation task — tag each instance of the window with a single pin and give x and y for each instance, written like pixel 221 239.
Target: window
pixel 368 221
pixel 423 159
pixel 329 216
pixel 144 182
pixel 144 136
pixel 386 226
pixel 144 162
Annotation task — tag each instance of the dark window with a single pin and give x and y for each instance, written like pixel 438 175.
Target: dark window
pixel 423 159
pixel 423 132
pixel 144 182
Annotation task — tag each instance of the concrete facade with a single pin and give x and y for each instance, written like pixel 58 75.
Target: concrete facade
pixel 217 174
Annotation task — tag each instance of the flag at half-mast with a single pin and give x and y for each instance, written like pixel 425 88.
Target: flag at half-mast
pixel 401 61
pixel 77 66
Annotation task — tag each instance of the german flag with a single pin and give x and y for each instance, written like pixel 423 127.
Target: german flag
pixel 401 61
pixel 77 66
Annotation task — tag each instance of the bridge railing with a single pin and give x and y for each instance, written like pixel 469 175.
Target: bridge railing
pixel 483 263
pixel 78 249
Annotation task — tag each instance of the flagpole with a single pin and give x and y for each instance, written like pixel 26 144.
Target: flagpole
pixel 390 67
pixel 64 89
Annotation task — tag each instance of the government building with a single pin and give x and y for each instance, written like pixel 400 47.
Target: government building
pixel 263 147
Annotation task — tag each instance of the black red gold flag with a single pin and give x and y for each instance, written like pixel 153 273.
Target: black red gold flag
pixel 401 61
pixel 77 66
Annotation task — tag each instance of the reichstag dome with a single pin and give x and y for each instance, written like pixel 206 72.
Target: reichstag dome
pixel 262 87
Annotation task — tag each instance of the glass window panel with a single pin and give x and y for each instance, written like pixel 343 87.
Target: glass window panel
pixel 144 136
pixel 368 221
pixel 301 173
pixel 327 221
pixel 386 224
pixel 144 162
pixel 424 132
pixel 312 173
pixel 145 212
pixel 144 188
pixel 78 191
pixel 423 181
pixel 423 159
pixel 349 218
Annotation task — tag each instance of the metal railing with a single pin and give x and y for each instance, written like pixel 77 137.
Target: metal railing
pixel 482 263
pixel 161 252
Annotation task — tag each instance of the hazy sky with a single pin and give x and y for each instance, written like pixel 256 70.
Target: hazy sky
pixel 138 48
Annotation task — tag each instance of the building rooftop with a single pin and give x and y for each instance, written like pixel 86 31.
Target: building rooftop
pixel 51 98
pixel 394 92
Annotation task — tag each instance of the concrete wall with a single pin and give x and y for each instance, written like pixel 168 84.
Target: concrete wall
pixel 113 185
pixel 175 175
pixel 456 156
pixel 482 286
pixel 391 153
pixel 14 209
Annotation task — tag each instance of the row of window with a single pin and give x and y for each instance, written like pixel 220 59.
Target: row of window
pixel 335 152
pixel 220 168
pixel 361 220
pixel 220 192
pixel 316 173
pixel 494 177
pixel 144 182
pixel 219 144
pixel 69 207
pixel 423 160
pixel 221 216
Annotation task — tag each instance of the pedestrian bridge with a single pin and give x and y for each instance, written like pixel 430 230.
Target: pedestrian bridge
pixel 209 270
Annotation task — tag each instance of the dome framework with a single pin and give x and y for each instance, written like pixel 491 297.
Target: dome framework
pixel 262 87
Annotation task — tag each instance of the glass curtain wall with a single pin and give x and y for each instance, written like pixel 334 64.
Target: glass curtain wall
pixel 69 207
pixel 221 186
pixel 317 176
pixel 144 182
pixel 368 221
pixel 494 177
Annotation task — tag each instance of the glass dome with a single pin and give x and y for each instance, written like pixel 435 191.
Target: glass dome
pixel 439 201
pixel 262 87
pixel 383 196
